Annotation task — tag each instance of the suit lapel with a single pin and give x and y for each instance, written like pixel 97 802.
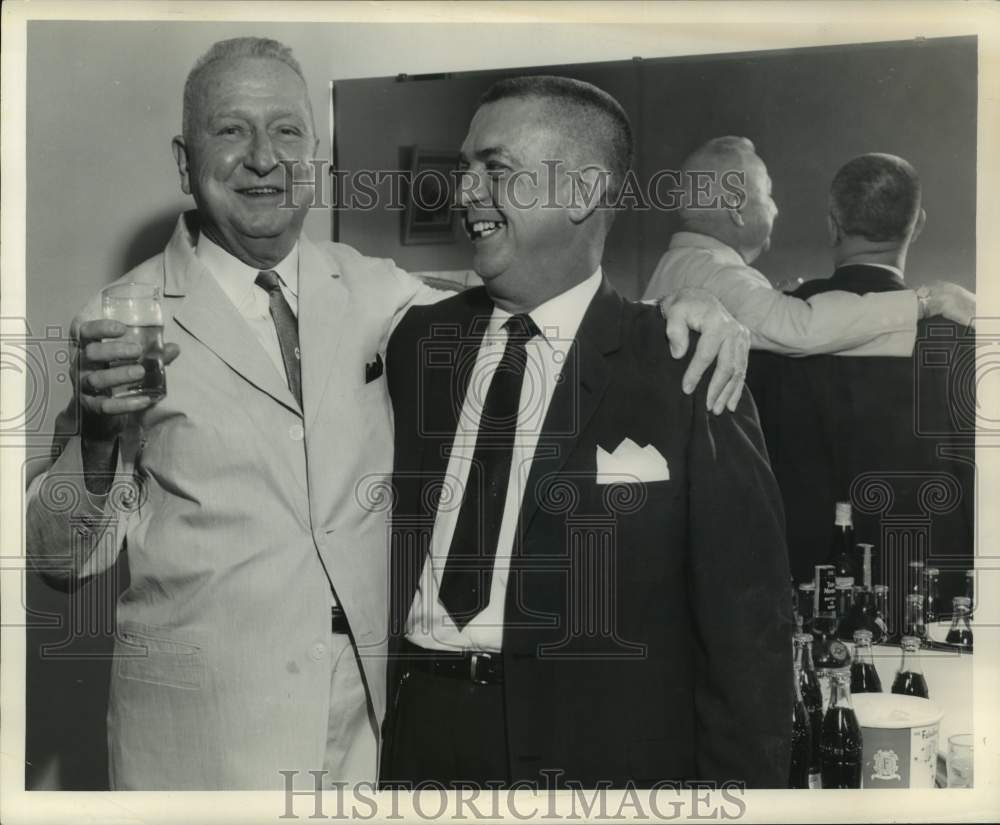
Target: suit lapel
pixel 585 379
pixel 208 315
pixel 445 389
pixel 323 311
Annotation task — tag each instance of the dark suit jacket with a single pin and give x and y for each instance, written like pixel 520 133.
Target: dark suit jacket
pixel 892 435
pixel 647 631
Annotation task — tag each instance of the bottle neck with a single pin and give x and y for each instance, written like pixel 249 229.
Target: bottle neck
pixel 803 655
pixel 840 694
pixel 910 662
pixel 863 653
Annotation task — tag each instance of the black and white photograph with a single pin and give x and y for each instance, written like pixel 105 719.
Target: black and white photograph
pixel 502 411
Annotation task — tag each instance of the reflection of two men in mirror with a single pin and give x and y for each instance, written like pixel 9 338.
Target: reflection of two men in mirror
pixel 549 509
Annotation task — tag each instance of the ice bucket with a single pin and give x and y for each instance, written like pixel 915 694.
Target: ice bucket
pixel 900 736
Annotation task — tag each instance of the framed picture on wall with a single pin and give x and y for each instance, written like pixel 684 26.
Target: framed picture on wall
pixel 429 217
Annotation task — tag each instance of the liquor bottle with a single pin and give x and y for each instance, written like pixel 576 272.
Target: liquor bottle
pixel 914 622
pixel 845 604
pixel 865 556
pixel 910 679
pixel 932 576
pixel 864 677
pixel 807 603
pixel 840 747
pixel 804 771
pixel 809 689
pixel 829 653
pixel 960 632
pixel 843 542
pixel 881 612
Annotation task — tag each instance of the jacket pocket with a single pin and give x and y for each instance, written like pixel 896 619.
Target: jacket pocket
pixel 148 654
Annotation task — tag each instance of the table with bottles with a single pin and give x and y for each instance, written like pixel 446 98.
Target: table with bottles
pixel 869 678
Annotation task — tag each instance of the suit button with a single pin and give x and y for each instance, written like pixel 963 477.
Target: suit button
pixel 317 651
pixel 296 433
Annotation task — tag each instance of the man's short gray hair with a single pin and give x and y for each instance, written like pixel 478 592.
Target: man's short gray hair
pixel 233 49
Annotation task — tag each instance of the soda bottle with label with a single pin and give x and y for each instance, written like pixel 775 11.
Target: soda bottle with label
pixel 841 743
pixel 811 693
pixel 805 767
pixel 864 677
pixel 910 679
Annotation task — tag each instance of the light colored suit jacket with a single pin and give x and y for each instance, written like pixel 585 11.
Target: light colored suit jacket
pixel 244 518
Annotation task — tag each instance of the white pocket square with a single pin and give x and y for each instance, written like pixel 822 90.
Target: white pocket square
pixel 630 463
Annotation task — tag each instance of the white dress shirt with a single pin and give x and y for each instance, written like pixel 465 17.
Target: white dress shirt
pixel 253 303
pixel 883 323
pixel 558 319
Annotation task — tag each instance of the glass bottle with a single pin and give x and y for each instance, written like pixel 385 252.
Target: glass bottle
pixel 864 677
pixel 845 602
pixel 840 748
pixel 914 624
pixel 881 592
pixel 804 771
pixel 809 688
pixel 807 603
pixel 910 679
pixel 932 576
pixel 960 632
pixel 843 542
pixel 829 653
pixel 865 555
pixel 915 579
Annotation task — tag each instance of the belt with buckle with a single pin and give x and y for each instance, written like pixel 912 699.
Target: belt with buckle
pixel 338 620
pixel 475 666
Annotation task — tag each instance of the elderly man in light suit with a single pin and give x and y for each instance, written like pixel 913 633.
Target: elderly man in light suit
pixel 251 639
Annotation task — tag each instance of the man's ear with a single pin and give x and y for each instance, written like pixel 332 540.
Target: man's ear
pixel 918 227
pixel 736 216
pixel 832 230
pixel 588 190
pixel 181 157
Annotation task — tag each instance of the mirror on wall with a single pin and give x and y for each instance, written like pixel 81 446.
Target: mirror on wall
pixel 806 110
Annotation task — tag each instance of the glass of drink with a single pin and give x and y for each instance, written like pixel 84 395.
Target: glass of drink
pixel 138 307
pixel 960 761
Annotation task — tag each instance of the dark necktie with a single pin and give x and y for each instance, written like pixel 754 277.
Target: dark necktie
pixel 287 327
pixel 468 572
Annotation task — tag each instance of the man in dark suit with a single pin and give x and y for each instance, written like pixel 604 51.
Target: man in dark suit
pixel 589 574
pixel 892 435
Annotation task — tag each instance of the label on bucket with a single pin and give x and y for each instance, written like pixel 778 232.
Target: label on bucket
pixel 899 757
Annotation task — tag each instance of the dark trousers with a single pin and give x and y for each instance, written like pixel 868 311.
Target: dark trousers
pixel 444 730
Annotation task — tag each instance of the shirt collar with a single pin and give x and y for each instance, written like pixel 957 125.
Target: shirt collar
pixel 237 278
pixel 699 241
pixel 895 270
pixel 559 317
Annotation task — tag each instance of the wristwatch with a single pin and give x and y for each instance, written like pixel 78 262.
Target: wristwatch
pixel 924 299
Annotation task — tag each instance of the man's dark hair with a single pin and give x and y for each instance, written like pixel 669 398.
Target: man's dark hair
pixel 587 113
pixel 876 196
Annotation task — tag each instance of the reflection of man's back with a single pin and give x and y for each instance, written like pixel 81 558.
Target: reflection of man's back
pixel 891 435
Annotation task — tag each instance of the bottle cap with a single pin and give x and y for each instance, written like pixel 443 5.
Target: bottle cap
pixel 841 674
pixel 932 571
pixel 909 643
pixel 961 601
pixel 914 598
pixel 881 588
pixel 807 586
pixel 864 546
pixel 843 582
pixel 863 637
pixel 843 514
pixel 803 638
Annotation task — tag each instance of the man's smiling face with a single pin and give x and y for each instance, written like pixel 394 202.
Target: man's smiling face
pixel 249 115
pixel 517 233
